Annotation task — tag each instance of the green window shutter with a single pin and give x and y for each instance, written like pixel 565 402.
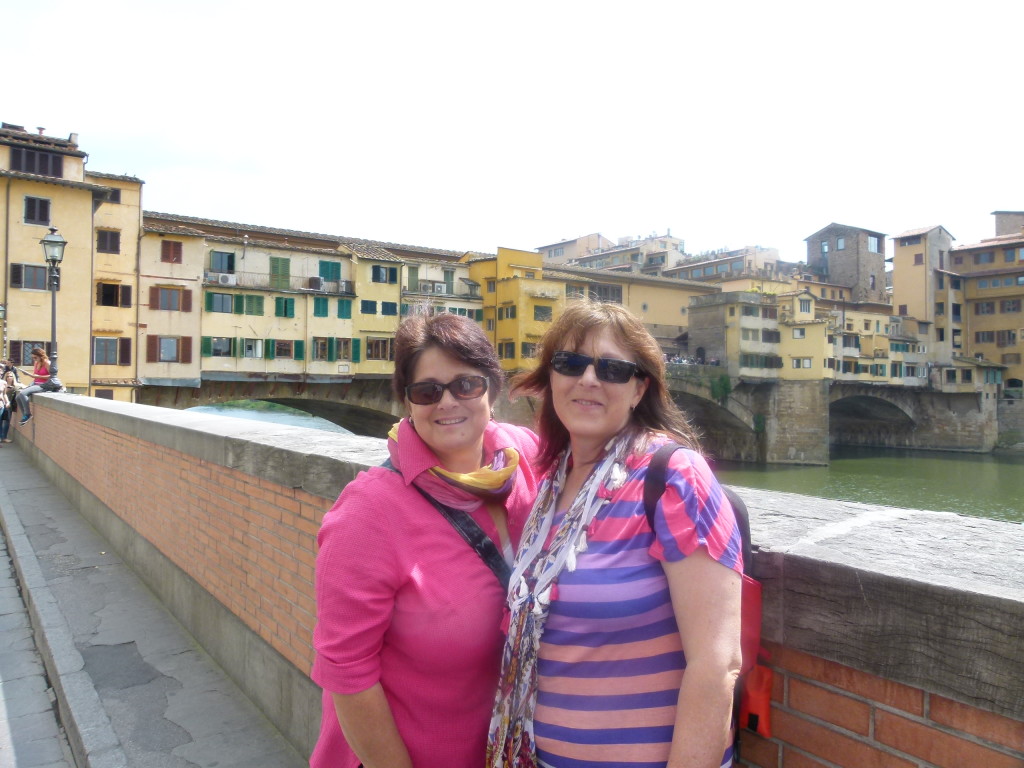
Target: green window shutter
pixel 345 309
pixel 239 301
pixel 268 349
pixel 290 307
pixel 208 301
pixel 319 306
pixel 404 309
pixel 278 306
pixel 355 350
pixel 206 346
pixel 332 349
pixel 479 315
pixel 300 350
pixel 234 347
pixel 392 274
pixel 325 269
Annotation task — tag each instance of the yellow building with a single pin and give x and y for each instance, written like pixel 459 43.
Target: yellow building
pixel 45 186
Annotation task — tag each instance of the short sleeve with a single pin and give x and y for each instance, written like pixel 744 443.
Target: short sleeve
pixel 694 512
pixel 356 581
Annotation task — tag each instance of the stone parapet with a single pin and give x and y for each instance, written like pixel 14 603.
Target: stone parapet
pixel 897 636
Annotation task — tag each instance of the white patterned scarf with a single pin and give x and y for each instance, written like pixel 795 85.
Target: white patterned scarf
pixel 510 741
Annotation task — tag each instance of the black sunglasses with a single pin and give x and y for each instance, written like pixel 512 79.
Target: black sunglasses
pixel 461 387
pixel 606 368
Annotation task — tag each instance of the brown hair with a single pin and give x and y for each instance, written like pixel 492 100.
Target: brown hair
pixel 656 412
pixel 459 336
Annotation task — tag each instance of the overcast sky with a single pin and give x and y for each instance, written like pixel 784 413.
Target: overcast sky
pixel 473 125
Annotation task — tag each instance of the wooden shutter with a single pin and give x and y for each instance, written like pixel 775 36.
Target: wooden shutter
pixel 17 274
pixel 392 274
pixel 208 301
pixel 332 349
pixel 186 301
pixel 154 297
pixel 299 350
pixel 239 302
pixel 345 309
pixel 206 346
pixel 268 349
pixel 152 348
pixel 186 349
pixel 126 295
pixel 124 351
pixel 355 350
pixel 99 293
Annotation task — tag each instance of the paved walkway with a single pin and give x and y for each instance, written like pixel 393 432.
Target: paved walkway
pixel 133 688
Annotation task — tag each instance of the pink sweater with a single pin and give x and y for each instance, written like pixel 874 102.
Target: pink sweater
pixel 404 601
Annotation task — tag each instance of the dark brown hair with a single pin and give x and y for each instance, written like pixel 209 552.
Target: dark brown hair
pixel 656 412
pixel 459 336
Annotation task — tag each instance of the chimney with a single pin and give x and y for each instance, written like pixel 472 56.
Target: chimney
pixel 40 129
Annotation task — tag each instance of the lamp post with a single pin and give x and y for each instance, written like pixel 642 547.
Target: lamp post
pixel 53 249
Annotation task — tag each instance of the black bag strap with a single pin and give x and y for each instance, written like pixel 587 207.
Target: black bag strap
pixel 471 533
pixel 654 487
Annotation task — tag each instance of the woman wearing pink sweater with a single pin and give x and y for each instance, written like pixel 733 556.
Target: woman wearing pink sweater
pixel 408 638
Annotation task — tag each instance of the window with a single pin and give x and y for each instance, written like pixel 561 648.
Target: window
pixel 113 196
pixel 966 375
pixel 527 275
pixel 345 309
pixel 490 323
pixel 529 349
pixel 37 211
pixel 542 314
pixel 840 243
pixel 984 284
pixel 824 247
pixel 170 251
pixel 321 347
pixel 1006 338
pixel 391 308
pixel 985 308
pixel 29 276
pixel 108 350
pixel 170 299
pixel 770 337
pixel 104 351
pixel 108 241
pixel 379 349
pixel 873 244
pixel 918 258
pixel 490 286
pixel 871 282
pixel 113 295
pixel 748 311
pixel 984 337
pixel 343 348
pixel 940 334
pixel 280 273
pixel 284 348
pixel 799 333
pixel 940 307
pixel 222 261
pixel 805 305
pixel 1010 305
pixel 801 362
pixel 221 346
pixel 985 257
pixel 252 348
pixel 507 350
pixel 254 305
pixel 169 349
pixel 607 293
pixel 284 307
pixel 330 270
pixel 36 161
pixel 379 274
pixel 219 302
pixel 319 306
pixel 368 307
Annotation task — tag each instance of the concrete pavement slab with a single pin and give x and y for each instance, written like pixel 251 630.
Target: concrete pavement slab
pixel 134 688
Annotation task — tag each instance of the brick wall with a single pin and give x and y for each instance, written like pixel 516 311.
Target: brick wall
pixel 234 507
pixel 829 714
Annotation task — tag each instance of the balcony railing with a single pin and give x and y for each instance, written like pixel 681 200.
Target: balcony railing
pixel 263 282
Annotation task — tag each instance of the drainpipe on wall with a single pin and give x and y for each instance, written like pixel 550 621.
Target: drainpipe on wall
pixel 7 267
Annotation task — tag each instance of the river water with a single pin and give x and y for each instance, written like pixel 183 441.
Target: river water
pixel 982 485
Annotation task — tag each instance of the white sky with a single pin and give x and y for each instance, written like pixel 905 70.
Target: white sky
pixel 472 125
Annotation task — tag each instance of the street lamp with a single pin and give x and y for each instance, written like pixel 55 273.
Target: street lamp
pixel 53 249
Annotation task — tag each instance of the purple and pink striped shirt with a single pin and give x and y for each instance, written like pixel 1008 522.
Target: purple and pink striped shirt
pixel 611 661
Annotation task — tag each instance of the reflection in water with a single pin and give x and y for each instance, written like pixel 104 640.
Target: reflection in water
pixel 270 412
pixel 981 485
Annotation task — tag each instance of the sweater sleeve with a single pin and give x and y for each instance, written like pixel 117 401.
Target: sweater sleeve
pixel 694 512
pixel 356 581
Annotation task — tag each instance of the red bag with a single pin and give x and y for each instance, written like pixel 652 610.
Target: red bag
pixel 756 701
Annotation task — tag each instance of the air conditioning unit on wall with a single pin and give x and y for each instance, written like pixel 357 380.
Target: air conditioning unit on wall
pixel 226 279
pixel 316 283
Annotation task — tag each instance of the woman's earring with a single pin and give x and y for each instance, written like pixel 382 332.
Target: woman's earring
pixel 492 414
pixel 410 421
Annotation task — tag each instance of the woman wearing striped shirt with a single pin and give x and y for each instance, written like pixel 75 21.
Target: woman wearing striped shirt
pixel 623 645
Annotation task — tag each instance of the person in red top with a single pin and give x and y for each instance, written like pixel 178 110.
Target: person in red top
pixel 40 375
pixel 408 637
